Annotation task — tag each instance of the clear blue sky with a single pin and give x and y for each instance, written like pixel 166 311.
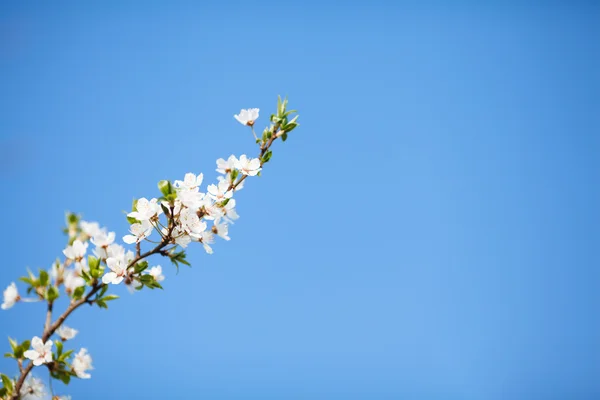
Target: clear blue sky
pixel 430 232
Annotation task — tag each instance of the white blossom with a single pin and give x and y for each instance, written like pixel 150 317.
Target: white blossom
pixel 112 250
pixel 227 178
pixel 248 166
pixel 56 271
pixel 190 182
pixel 118 270
pixel 32 389
pixel 72 280
pixel 146 210
pixel 11 296
pixel 103 239
pixel 229 213
pixel 225 167
pixel 207 238
pixel 179 236
pixel 221 230
pixel 139 231
pixel 41 353
pixel 66 333
pixel 156 272
pixel 247 117
pixel 190 198
pixel 220 192
pixel 81 363
pixel 211 209
pixel 91 229
pixel 76 251
pixel 190 222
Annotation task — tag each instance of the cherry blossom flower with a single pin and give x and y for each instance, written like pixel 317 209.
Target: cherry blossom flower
pixel 207 238
pixel 229 213
pixel 72 280
pixel 76 252
pixel 190 223
pixel 65 333
pixel 91 229
pixel 41 353
pixel 221 230
pixel 11 296
pixel 103 239
pixel 190 199
pixel 190 182
pixel 248 166
pixel 81 363
pixel 118 270
pixel 227 178
pixel 219 192
pixel 32 389
pixel 211 209
pixel 247 117
pixel 156 272
pixel 57 271
pixel 111 250
pixel 146 210
pixel 139 231
pixel 225 167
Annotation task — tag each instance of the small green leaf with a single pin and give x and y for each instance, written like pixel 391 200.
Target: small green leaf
pixel 101 303
pixel 139 267
pixel 59 348
pixel 3 392
pixel 9 355
pixel 52 293
pixel 65 355
pixel 165 187
pixel 110 297
pixel 13 343
pixel 78 292
pixel 43 278
pixel 7 382
pixel 65 378
pixel 267 156
pixel 284 136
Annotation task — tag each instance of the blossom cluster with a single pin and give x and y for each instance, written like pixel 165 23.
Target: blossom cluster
pixel 94 260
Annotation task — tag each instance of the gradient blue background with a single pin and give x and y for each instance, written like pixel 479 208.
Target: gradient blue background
pixel 430 232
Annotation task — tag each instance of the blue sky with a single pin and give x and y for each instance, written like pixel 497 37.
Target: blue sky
pixel 429 232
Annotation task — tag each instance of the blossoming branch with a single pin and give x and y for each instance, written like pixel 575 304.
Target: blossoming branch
pixel 180 217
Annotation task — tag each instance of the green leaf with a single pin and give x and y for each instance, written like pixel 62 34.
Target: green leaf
pixel 59 348
pixel 65 378
pixel 43 278
pixel 66 355
pixel 101 303
pixel 52 293
pixel 93 262
pixel 290 127
pixel 165 210
pixel 25 344
pixel 165 187
pixel 27 280
pixel 110 297
pixel 3 392
pixel 132 220
pixel 7 382
pixel 13 343
pixel 78 292
pixel 9 355
pixel 284 136
pixel 139 267
pixel 267 156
